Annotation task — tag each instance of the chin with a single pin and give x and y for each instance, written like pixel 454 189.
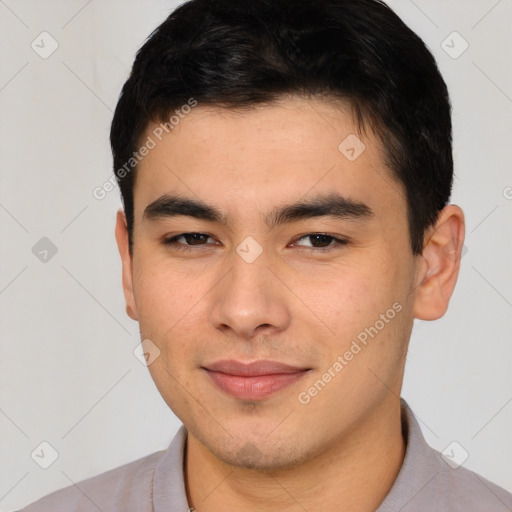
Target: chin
pixel 249 456
pixel 258 452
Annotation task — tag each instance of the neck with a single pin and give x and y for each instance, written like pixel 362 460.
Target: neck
pixel 355 474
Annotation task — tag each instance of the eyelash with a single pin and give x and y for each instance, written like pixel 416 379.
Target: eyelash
pixel 182 247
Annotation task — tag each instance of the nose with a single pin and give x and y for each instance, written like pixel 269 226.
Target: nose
pixel 250 300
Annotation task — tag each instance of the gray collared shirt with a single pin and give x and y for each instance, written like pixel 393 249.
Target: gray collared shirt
pixel 155 483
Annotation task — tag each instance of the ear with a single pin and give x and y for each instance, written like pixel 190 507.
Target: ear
pixel 439 264
pixel 126 259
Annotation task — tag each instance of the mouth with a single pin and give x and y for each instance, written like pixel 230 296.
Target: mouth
pixel 253 381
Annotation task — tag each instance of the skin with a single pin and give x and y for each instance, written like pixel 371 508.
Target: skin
pixel 291 304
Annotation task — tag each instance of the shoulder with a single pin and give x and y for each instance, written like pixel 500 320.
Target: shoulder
pixel 128 485
pixel 465 490
pixel 430 481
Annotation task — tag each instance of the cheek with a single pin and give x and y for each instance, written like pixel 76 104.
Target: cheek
pixel 162 305
pixel 344 295
pixel 161 292
pixel 172 303
pixel 353 300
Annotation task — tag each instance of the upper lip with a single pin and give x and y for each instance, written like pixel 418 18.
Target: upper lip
pixel 262 367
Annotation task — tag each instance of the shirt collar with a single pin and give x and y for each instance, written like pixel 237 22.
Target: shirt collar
pixel 169 482
pixel 419 467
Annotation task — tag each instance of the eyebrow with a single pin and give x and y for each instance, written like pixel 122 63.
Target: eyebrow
pixel 331 205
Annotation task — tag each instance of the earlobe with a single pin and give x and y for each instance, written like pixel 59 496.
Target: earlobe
pixel 439 266
pixel 127 264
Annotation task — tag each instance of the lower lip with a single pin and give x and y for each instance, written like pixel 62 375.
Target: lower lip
pixel 254 387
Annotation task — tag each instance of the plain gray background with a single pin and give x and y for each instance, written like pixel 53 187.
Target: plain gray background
pixel 68 374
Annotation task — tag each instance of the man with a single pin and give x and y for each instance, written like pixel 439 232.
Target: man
pixel 285 168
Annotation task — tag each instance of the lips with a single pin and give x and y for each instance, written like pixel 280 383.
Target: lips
pixel 255 380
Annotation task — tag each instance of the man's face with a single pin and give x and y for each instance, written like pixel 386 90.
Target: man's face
pixel 260 287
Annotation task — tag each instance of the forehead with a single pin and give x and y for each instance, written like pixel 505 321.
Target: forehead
pixel 257 157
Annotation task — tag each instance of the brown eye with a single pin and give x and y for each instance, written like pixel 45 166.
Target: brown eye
pixel 320 242
pixel 190 239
